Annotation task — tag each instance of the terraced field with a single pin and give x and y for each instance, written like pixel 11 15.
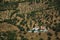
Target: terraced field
pixel 19 16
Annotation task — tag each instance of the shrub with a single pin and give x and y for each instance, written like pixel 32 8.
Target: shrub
pixel 37 1
pixel 11 35
pixel 1 0
pixel 20 15
pixel 56 33
pixel 3 35
pixel 49 38
pixel 23 22
pixel 40 23
pixel 21 28
pixel 57 27
pixel 57 38
pixel 28 29
pixel 24 38
pixel 49 34
pixel 11 21
pixel 41 39
pixel 16 11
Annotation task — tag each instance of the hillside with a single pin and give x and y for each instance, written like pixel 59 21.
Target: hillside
pixel 19 16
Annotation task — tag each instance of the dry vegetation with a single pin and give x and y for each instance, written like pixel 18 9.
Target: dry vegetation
pixel 19 16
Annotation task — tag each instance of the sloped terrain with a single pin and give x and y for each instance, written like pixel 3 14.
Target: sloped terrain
pixel 19 16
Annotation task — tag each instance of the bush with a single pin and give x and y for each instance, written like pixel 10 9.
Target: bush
pixel 24 38
pixel 39 33
pixel 21 28
pixel 37 1
pixel 57 27
pixel 1 0
pixel 41 39
pixel 49 38
pixel 57 38
pixel 23 22
pixel 20 15
pixel 3 35
pixel 11 21
pixel 40 23
pixel 53 28
pixel 16 11
pixel 11 35
pixel 8 21
pixel 28 29
pixel 56 33
pixel 49 34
